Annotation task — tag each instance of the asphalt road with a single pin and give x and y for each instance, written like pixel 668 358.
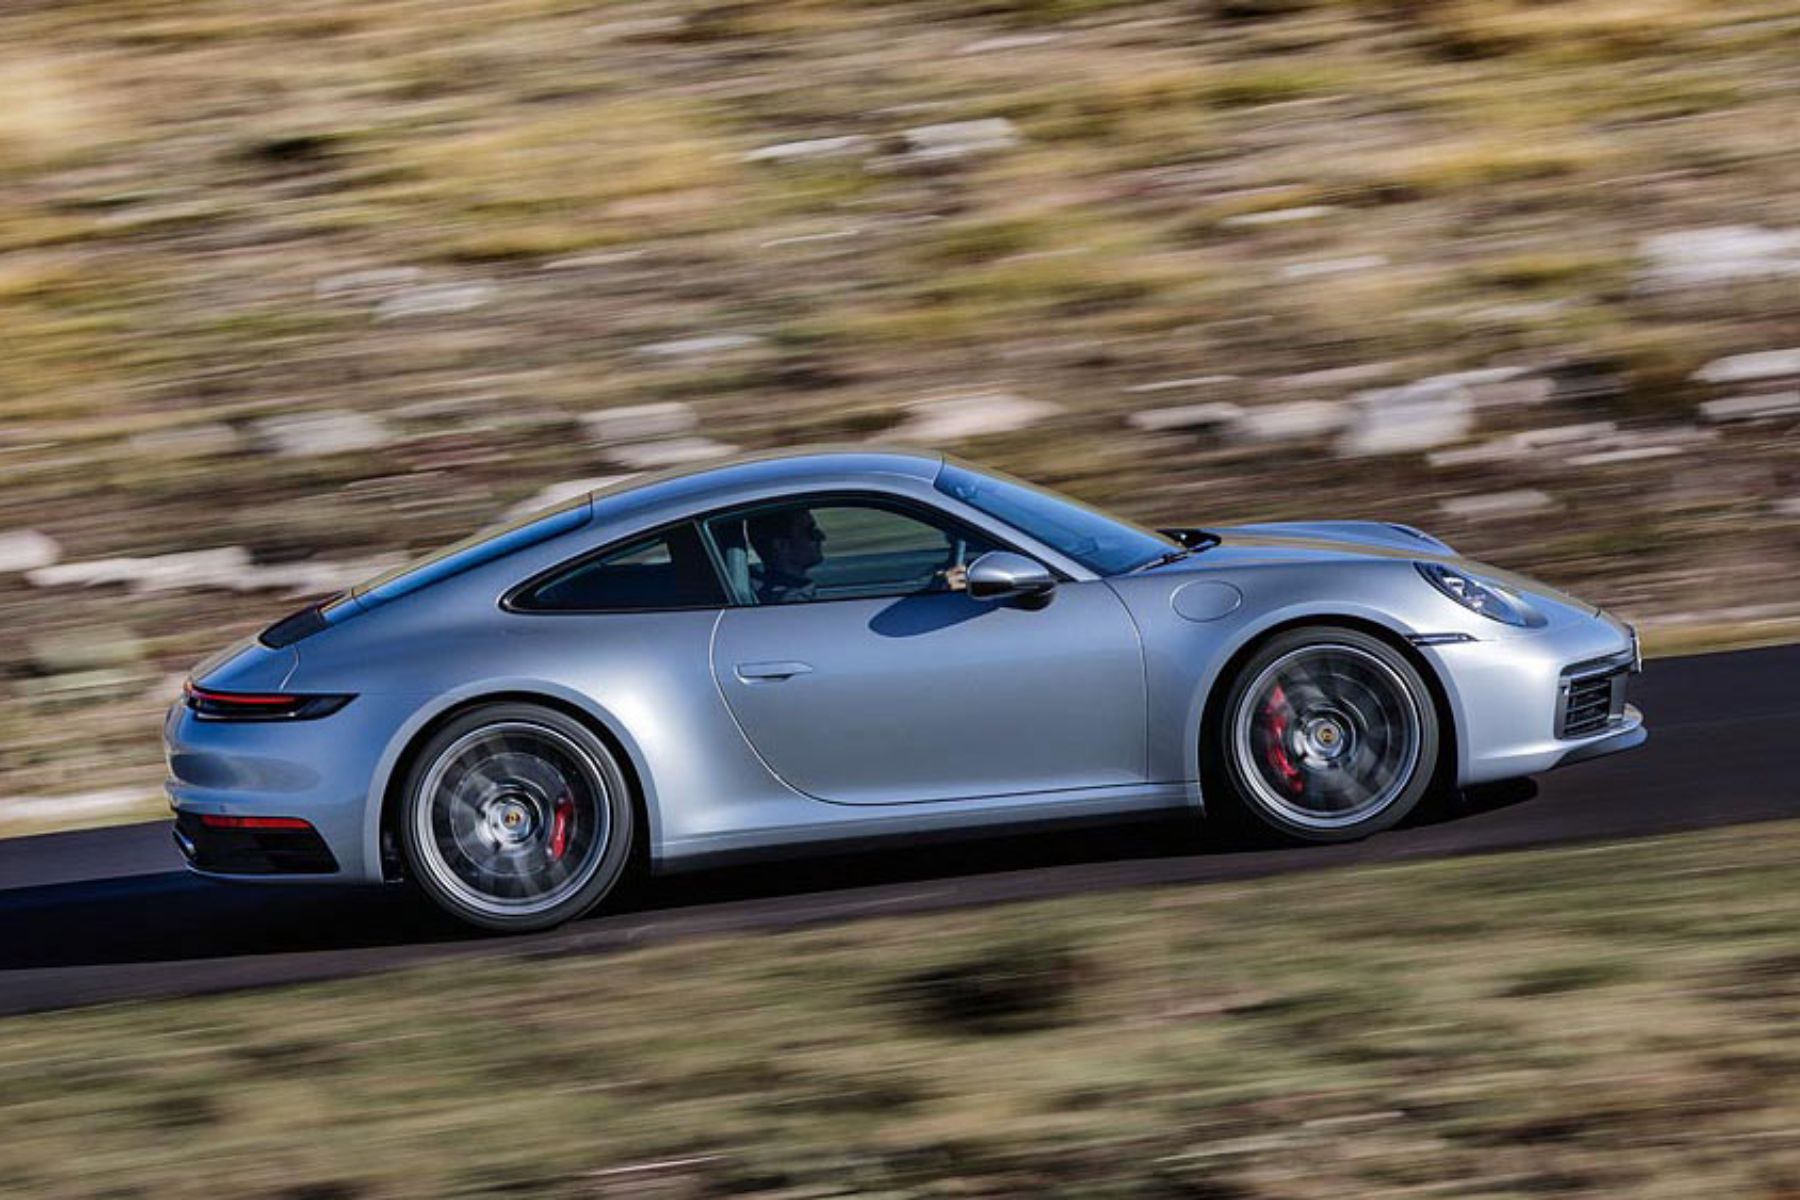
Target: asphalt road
pixel 109 914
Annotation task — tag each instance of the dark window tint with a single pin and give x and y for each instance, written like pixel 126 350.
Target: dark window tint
pixel 669 570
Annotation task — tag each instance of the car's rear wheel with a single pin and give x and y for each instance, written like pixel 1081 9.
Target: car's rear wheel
pixel 1326 735
pixel 517 817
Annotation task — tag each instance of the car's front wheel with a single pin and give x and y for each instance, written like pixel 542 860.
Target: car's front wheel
pixel 517 818
pixel 1326 735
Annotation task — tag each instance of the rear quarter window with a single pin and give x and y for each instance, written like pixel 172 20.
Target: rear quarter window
pixel 667 570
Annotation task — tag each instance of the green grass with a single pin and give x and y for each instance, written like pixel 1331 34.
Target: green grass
pixel 1601 1021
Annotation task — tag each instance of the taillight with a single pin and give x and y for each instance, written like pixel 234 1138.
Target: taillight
pixel 214 821
pixel 211 705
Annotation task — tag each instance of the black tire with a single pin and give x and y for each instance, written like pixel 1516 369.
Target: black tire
pixel 517 817
pixel 1325 734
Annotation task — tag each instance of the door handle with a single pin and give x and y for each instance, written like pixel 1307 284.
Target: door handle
pixel 771 672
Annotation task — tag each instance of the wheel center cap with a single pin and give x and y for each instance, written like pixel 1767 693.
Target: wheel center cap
pixel 510 821
pixel 1324 738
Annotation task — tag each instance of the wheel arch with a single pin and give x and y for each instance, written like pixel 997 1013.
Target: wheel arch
pixel 1218 684
pixel 382 835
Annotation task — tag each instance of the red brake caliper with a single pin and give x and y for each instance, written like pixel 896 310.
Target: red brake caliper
pixel 559 826
pixel 1275 721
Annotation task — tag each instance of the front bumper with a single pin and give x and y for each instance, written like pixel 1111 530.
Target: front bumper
pixel 1527 704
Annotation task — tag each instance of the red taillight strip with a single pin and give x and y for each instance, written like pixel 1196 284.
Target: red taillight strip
pixel 213 821
pixel 202 694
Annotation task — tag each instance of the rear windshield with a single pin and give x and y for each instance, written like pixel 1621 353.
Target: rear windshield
pixel 479 550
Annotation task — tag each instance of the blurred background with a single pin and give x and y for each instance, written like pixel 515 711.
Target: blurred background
pixel 291 290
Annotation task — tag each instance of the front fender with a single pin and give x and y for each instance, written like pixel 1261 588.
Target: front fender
pixel 1228 649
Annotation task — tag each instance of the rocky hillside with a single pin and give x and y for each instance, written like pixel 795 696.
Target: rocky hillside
pixel 290 289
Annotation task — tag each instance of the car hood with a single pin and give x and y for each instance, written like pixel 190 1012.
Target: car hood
pixel 1325 541
pixel 1337 535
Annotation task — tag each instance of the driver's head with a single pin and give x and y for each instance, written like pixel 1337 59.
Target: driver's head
pixel 788 541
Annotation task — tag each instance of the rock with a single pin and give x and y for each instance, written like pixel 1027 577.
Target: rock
pixel 559 493
pixel 188 441
pixel 1530 444
pixel 1565 435
pixel 596 259
pixel 222 567
pixel 1582 382
pixel 79 804
pixel 435 300
pixel 1761 407
pixel 673 452
pixel 326 431
pixel 1279 216
pixel 1750 368
pixel 812 149
pixel 1005 42
pixel 807 239
pixel 1419 416
pixel 1191 381
pixel 1512 394
pixel 1493 452
pixel 1187 416
pixel 1623 454
pixel 1333 266
pixel 627 29
pixel 226 568
pixel 640 422
pixel 960 139
pixel 1497 505
pixel 76 650
pixel 23 550
pixel 317 576
pixel 1334 378
pixel 699 347
pixel 956 418
pixel 379 279
pixel 1479 377
pixel 1720 254
pixel 1290 421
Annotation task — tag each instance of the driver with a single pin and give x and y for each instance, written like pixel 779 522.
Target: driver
pixel 789 543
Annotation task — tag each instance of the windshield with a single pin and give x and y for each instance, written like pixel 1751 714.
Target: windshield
pixel 1103 544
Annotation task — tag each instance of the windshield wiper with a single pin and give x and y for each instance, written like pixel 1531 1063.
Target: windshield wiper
pixel 1193 541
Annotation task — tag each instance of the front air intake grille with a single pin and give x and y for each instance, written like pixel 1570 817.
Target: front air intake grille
pixel 1593 697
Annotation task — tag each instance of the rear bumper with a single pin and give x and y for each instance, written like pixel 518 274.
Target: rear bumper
pixel 317 771
pixel 213 850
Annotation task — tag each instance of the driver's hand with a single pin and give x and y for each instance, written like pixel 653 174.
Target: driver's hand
pixel 956 578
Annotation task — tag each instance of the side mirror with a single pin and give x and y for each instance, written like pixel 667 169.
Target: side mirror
pixel 1002 575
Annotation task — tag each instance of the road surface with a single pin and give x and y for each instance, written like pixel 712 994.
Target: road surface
pixel 109 914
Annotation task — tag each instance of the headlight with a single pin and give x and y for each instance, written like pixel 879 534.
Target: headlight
pixel 1480 595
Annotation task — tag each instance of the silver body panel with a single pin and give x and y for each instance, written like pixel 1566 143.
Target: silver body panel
pixel 910 715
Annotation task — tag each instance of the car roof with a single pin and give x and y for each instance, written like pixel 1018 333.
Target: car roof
pixel 757 472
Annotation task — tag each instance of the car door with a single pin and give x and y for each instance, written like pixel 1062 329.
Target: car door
pixel 874 680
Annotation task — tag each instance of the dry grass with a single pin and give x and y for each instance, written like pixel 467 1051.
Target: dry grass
pixel 181 177
pixel 1604 1021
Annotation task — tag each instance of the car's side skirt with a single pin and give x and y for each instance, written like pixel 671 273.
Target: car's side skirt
pixel 897 826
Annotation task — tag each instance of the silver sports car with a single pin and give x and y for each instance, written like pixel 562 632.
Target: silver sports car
pixel 820 647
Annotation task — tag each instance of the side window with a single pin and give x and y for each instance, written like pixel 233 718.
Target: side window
pixel 668 570
pixel 840 550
